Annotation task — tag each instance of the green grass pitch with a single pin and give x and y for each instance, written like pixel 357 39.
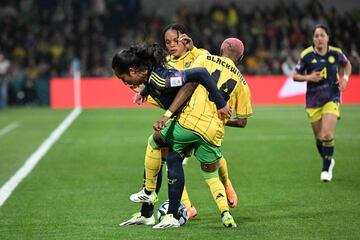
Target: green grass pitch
pixel 81 188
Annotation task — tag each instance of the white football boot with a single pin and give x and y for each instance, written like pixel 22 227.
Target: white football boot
pixel 228 220
pixel 142 197
pixel 137 219
pixel 326 176
pixel 168 222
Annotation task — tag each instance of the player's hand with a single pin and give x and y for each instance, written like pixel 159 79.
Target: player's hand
pixel 314 77
pixel 136 88
pixel 138 99
pixel 225 111
pixel 187 41
pixel 342 83
pixel 161 123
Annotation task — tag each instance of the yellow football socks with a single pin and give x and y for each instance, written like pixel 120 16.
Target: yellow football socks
pixel 223 171
pixel 185 199
pixel 152 166
pixel 218 191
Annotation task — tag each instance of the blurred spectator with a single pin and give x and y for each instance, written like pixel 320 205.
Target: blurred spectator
pixel 4 71
pixel 288 66
pixel 16 83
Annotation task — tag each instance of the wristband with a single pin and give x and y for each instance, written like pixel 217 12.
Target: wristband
pixel 168 113
pixel 346 77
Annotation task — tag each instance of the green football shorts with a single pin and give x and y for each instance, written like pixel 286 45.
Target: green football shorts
pixel 181 139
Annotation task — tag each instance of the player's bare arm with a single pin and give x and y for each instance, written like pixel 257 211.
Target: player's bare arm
pixel 184 93
pixel 237 122
pixel 312 77
pixel 342 82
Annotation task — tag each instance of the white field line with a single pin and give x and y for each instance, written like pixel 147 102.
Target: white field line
pixel 9 128
pixel 30 163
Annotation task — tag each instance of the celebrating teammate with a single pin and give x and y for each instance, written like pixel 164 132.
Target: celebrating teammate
pixel 318 66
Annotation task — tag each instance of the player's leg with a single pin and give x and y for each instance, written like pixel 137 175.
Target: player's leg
pixel 176 181
pixel 185 199
pixel 147 209
pixel 328 132
pixel 324 121
pixel 224 177
pixel 178 139
pixel 191 210
pixel 146 214
pixel 330 115
pixel 152 168
pixel 314 115
pixel 206 154
pixel 316 127
pixel 218 192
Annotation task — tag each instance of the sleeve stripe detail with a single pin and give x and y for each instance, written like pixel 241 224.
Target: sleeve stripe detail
pixel 156 79
pixel 335 49
pixel 306 51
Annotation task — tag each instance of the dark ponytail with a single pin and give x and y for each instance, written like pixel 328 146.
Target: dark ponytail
pixel 140 57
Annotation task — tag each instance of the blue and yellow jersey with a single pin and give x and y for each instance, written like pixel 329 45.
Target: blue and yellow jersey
pixel 319 93
pixel 163 85
pixel 200 114
pixel 186 61
pixel 182 63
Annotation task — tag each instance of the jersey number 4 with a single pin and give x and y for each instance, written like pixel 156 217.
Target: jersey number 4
pixel 323 73
pixel 227 87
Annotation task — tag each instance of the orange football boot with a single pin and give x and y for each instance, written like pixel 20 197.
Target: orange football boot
pixel 231 195
pixel 191 213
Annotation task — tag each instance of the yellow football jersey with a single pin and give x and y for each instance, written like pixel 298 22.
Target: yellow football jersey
pixel 186 61
pixel 200 115
pixel 182 63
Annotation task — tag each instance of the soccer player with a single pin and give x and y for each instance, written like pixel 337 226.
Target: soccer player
pixel 318 66
pixel 147 65
pixel 182 53
pixel 199 126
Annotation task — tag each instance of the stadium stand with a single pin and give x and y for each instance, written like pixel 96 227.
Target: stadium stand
pixel 40 38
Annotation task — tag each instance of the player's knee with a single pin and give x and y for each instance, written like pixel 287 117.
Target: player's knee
pixel 210 167
pixel 156 141
pixel 159 140
pixel 152 142
pixel 327 135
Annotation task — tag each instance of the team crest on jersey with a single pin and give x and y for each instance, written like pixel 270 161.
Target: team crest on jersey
pixel 175 82
pixel 314 61
pixel 331 59
pixel 188 64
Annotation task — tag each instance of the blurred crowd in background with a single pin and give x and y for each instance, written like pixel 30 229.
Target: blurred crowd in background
pixel 39 39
